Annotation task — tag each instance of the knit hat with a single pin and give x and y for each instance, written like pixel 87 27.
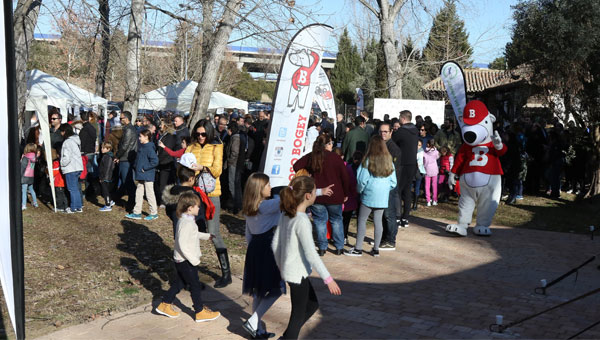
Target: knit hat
pixel 187 160
pixel 475 111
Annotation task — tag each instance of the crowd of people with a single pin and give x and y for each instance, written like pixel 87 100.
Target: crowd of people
pixel 349 170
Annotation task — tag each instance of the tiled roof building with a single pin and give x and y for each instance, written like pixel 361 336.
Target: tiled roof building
pixel 478 80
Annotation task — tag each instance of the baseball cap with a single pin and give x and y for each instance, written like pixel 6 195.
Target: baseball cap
pixel 475 111
pixel 187 160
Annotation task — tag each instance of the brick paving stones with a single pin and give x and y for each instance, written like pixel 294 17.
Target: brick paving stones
pixel 433 286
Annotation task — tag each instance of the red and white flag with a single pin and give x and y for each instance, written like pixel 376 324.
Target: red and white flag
pixel 324 94
pixel 293 100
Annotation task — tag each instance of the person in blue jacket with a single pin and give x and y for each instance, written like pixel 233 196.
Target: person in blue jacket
pixel 146 162
pixel 375 178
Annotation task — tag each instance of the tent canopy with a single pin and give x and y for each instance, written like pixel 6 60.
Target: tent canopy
pixel 178 97
pixel 59 93
pixel 43 90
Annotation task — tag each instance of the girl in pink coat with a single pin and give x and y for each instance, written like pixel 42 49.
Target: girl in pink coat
pixel 430 158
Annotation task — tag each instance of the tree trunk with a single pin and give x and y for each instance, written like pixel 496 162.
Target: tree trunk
pixel 208 80
pixel 391 58
pixel 134 44
pixel 207 30
pixel 104 10
pixel 24 21
pixel 595 186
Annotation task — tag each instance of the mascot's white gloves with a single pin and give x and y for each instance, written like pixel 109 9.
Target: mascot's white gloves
pixel 497 141
pixel 451 180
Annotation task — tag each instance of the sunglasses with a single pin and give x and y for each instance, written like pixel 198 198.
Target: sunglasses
pixel 202 134
pixel 54 118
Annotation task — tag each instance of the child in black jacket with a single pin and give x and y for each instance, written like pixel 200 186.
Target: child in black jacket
pixel 171 194
pixel 107 165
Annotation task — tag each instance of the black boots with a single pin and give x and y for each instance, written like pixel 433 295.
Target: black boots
pixel 225 280
pixel 414 205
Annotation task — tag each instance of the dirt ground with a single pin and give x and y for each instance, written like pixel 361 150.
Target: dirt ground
pixel 82 266
pixel 79 267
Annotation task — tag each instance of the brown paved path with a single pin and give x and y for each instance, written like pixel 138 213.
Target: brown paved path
pixel 433 286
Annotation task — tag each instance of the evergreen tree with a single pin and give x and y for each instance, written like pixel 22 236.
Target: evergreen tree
pixel 367 77
pixel 412 70
pixel 345 71
pixel 559 42
pixel 448 40
pixel 498 64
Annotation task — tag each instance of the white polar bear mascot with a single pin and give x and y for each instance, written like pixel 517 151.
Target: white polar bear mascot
pixel 478 165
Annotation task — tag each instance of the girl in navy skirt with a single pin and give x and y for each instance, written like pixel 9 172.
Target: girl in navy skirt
pixel 261 276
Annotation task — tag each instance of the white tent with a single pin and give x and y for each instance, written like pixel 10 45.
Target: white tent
pixel 61 94
pixel 43 90
pixel 178 97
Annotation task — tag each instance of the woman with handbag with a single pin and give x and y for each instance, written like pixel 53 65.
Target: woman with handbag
pixel 208 149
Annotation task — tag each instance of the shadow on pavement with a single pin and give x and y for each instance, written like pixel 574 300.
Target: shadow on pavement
pixel 454 288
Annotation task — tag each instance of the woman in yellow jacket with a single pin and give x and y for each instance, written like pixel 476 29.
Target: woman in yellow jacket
pixel 208 149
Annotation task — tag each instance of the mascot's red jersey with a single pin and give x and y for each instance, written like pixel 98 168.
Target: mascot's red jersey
pixel 482 158
pixel 302 75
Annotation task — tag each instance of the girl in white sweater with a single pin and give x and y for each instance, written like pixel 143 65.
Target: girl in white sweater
pixel 187 256
pixel 295 254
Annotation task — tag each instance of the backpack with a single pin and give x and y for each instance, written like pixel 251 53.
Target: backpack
pixel 29 170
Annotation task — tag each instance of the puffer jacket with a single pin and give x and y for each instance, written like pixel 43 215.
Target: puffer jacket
pixel 127 144
pixel 70 155
pixel 211 157
pixel 374 191
pixel 146 163
pixel 170 197
pixel 430 157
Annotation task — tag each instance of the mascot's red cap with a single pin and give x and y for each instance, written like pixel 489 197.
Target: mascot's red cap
pixel 475 111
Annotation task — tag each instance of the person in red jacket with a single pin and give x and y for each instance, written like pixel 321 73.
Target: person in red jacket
pixel 328 170
pixel 59 183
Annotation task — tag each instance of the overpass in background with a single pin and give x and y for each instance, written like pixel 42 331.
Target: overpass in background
pixel 261 63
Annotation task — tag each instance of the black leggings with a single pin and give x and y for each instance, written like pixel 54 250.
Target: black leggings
pixel 105 191
pixel 346 217
pixel 304 305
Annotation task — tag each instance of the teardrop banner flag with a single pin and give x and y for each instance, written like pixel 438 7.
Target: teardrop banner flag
pixel 454 81
pixel 298 78
pixel 324 94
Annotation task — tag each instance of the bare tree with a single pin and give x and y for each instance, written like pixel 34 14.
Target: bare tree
pixel 104 9
pixel 387 13
pixel 134 42
pixel 213 62
pixel 25 19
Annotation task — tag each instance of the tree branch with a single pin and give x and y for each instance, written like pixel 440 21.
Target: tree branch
pixel 396 8
pixel 172 15
pixel 368 6
pixel 261 33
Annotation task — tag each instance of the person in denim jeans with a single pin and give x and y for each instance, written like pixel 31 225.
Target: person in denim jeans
pixel 329 171
pixel 71 166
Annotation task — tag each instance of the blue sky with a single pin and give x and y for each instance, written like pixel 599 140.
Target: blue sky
pixel 488 22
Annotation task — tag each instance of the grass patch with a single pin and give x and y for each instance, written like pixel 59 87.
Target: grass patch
pixel 82 266
pixel 129 291
pixel 566 214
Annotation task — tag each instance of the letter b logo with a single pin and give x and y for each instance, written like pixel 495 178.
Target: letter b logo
pixel 471 113
pixel 302 78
